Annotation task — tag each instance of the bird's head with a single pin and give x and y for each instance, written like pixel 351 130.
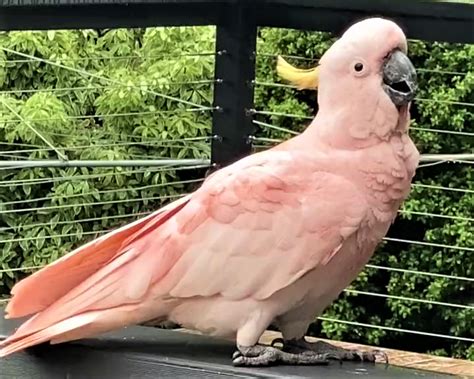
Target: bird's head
pixel 365 76
pixel 371 55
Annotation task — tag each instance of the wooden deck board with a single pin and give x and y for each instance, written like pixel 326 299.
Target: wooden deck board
pixel 401 358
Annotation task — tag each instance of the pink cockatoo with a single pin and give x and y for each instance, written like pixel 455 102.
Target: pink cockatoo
pixel 271 239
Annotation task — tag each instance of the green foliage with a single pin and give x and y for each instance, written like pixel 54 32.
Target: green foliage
pixel 87 118
pixel 130 120
pixel 427 113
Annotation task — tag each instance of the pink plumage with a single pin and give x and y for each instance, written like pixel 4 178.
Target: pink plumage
pixel 275 237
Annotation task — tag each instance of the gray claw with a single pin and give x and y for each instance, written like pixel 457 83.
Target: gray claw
pixel 277 340
pixel 256 356
pixel 363 356
pixel 381 354
pixel 236 354
pixel 333 356
pixel 367 356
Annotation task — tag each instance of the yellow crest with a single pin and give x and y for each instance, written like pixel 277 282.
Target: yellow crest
pixel 301 78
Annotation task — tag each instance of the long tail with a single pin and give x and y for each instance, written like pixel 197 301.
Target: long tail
pixel 83 325
pixel 81 293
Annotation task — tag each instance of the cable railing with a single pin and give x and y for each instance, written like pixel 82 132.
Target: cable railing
pixel 420 273
pixel 96 87
pixel 73 222
pixel 398 330
pixel 303 117
pixel 148 143
pixel 211 54
pixel 442 188
pixel 38 181
pixel 102 192
pixel 419 99
pixel 433 159
pixel 124 201
pixel 101 163
pixel 429 244
pixel 110 115
pixel 408 299
pixel 102 78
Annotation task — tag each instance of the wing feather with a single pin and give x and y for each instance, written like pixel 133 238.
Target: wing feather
pixel 262 227
pixel 252 229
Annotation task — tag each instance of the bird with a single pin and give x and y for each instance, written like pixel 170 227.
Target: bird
pixel 272 238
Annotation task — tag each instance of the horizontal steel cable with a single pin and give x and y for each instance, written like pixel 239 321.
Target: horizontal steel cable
pixel 432 158
pixel 430 130
pixel 164 197
pixel 420 99
pixel 416 272
pixel 107 115
pixel 75 221
pixel 65 206
pixel 435 215
pixel 376 267
pixel 274 127
pixel 392 329
pixel 151 142
pixel 15 182
pixel 409 299
pixel 428 70
pixel 100 77
pixel 123 57
pixel 430 244
pixel 441 188
pixel 91 88
pixel 21 164
pixel 61 196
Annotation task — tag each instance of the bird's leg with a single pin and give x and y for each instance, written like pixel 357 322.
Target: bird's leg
pixel 261 355
pixel 298 346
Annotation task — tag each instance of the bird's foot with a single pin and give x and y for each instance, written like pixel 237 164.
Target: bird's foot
pixel 333 352
pixel 260 355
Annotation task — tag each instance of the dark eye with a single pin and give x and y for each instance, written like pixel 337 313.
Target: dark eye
pixel 358 67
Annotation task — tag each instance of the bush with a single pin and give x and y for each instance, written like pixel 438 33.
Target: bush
pixel 87 118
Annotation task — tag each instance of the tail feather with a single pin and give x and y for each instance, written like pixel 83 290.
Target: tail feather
pixel 84 325
pixel 12 344
pixel 40 290
pixel 86 292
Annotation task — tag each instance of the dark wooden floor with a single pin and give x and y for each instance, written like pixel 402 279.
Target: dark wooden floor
pixel 143 352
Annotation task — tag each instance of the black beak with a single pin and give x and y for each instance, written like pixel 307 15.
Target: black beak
pixel 399 78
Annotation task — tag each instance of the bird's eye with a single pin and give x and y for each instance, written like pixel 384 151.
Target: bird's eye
pixel 358 67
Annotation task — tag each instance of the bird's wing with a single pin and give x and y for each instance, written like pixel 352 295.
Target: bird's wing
pixel 255 228
pixel 44 287
pixel 249 231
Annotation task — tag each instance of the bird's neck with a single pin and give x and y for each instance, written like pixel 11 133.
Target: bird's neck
pixel 347 129
pixel 382 166
pixel 331 131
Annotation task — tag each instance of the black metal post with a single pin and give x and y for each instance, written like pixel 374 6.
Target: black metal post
pixel 232 125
